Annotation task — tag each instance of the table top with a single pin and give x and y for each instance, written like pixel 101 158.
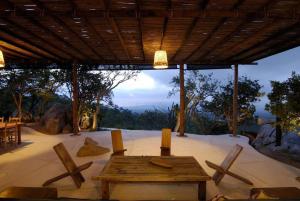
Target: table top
pixel 140 169
pixel 9 125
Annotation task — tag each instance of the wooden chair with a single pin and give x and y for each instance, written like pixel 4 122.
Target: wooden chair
pixel 165 149
pixel 12 134
pixel 1 119
pixel 226 164
pixel 117 143
pixel 72 169
pixel 14 120
pixel 29 193
pixel 3 138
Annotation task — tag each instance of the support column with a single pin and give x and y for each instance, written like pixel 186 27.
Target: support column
pixel 182 103
pixel 235 101
pixel 75 99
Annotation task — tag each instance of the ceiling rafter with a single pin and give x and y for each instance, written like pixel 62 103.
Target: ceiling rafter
pixel 115 27
pixel 12 52
pixel 140 26
pixel 219 25
pixel 190 30
pixel 18 40
pixel 63 24
pixel 40 25
pixel 27 31
pixel 11 45
pixel 237 29
pixel 270 39
pixel 74 7
pixel 252 38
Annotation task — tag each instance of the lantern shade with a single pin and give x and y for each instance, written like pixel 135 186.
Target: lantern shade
pixel 160 59
pixel 2 63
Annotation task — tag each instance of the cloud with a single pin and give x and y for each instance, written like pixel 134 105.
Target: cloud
pixel 141 82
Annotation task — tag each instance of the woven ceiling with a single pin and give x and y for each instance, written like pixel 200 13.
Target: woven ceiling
pixel 207 32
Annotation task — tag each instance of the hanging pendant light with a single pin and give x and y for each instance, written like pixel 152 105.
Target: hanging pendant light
pixel 160 59
pixel 2 63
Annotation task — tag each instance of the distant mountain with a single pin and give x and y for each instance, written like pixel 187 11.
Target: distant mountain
pixel 143 108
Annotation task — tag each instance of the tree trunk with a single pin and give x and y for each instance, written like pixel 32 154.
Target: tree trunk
pixel 278 131
pixel 96 113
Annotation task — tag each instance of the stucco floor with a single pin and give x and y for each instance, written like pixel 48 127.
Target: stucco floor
pixel 35 162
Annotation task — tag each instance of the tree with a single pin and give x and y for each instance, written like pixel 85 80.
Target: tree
pixel 249 91
pixel 95 86
pixel 198 88
pixel 18 83
pixel 284 102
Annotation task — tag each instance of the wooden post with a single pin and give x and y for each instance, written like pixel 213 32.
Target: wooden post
pixel 235 102
pixel 182 102
pixel 75 99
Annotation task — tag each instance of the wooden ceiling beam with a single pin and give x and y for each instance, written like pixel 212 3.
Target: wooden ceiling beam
pixel 156 13
pixel 35 22
pixel 115 28
pixel 29 32
pixel 33 46
pixel 187 36
pixel 237 29
pixel 24 44
pixel 10 45
pixel 138 7
pixel 285 45
pixel 202 6
pixel 270 40
pixel 165 25
pixel 74 7
pixel 219 25
pixel 63 24
pixel 12 52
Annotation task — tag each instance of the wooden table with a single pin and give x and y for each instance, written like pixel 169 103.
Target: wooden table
pixel 11 125
pixel 139 169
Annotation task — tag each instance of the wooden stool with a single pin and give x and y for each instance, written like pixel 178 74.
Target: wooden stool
pixel 165 149
pixel 29 192
pixel 117 143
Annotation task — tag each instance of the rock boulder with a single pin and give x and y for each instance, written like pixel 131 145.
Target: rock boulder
pixel 57 119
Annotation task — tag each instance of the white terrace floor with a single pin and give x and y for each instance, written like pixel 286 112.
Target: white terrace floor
pixel 36 162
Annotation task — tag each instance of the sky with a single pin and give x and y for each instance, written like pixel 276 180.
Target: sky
pixel 151 87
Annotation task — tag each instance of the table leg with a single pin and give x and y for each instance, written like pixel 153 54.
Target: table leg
pixel 202 190
pixel 19 134
pixel 105 190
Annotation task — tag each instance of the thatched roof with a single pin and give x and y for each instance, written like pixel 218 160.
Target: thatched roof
pixel 213 32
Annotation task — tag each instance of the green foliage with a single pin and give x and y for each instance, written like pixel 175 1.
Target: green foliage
pixel 249 92
pixel 284 101
pixel 115 117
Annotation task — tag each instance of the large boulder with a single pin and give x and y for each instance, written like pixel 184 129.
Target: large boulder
pixel 290 143
pixel 265 136
pixel 57 119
